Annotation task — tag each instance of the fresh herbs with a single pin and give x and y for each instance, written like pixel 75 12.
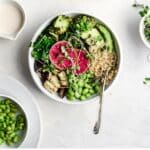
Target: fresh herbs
pixel 147 27
pixel 146 80
pixel 144 9
pixel 41 48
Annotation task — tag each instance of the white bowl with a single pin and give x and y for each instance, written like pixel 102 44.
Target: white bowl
pixel 141 30
pixel 17 92
pixel 36 77
pixel 6 95
pixel 16 4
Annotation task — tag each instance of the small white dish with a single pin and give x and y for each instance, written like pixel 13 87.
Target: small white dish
pixel 17 5
pixel 6 95
pixel 141 31
pixel 13 89
pixel 36 77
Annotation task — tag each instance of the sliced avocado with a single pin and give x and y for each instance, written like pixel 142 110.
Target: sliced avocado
pixel 62 23
pixel 92 37
pixel 107 36
pixel 91 33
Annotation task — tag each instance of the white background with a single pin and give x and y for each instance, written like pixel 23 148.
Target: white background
pixel 126 109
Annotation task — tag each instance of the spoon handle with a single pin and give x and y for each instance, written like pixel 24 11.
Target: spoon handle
pixel 98 122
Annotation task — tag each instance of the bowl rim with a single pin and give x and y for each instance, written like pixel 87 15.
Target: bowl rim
pixel 14 100
pixel 43 26
pixel 141 31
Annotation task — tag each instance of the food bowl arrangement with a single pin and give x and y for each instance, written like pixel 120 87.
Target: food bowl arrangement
pixel 69 55
pixel 13 122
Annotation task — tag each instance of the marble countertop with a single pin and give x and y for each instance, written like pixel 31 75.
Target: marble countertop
pixel 126 109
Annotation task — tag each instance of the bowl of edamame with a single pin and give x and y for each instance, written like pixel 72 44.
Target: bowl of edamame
pixel 13 122
pixel 144 29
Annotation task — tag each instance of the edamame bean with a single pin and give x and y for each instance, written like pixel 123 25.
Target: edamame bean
pixel 70 97
pixel 70 92
pixel 82 97
pixel 1 141
pixel 89 75
pixel 16 139
pixel 77 95
pixel 88 95
pixel 97 88
pixel 91 91
pixel 81 83
pixel 75 86
pixel 87 86
pixel 79 90
pixel 85 91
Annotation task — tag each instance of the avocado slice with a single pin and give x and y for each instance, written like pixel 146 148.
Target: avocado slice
pixel 107 36
pixel 92 36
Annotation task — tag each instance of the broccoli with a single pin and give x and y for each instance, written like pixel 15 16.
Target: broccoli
pixel 62 23
pixel 83 23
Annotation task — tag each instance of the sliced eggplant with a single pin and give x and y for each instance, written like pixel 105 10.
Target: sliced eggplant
pixel 62 92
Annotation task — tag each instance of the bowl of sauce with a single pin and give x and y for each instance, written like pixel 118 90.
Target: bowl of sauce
pixel 12 19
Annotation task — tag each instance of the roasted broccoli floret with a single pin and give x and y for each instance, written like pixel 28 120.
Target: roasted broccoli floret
pixel 83 23
pixel 62 23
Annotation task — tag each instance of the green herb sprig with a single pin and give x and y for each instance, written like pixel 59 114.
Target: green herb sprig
pixel 144 9
pixel 146 80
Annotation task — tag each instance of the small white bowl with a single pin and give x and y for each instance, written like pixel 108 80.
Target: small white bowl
pixel 36 77
pixel 141 30
pixel 16 4
pixel 6 95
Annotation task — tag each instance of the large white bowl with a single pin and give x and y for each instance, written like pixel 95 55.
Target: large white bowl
pixel 36 77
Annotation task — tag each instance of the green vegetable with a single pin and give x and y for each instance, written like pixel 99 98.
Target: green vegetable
pixel 81 86
pixel 85 91
pixel 62 23
pixel 82 23
pixel 92 36
pixel 146 80
pixel 82 97
pixel 12 122
pixel 147 27
pixel 144 9
pixel 41 48
pixel 107 36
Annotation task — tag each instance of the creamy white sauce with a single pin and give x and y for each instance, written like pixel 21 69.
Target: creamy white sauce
pixel 10 19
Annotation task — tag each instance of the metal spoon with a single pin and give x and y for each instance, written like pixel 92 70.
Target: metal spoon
pixel 98 122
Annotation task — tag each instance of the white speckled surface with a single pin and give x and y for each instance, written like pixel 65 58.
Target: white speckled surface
pixel 126 110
